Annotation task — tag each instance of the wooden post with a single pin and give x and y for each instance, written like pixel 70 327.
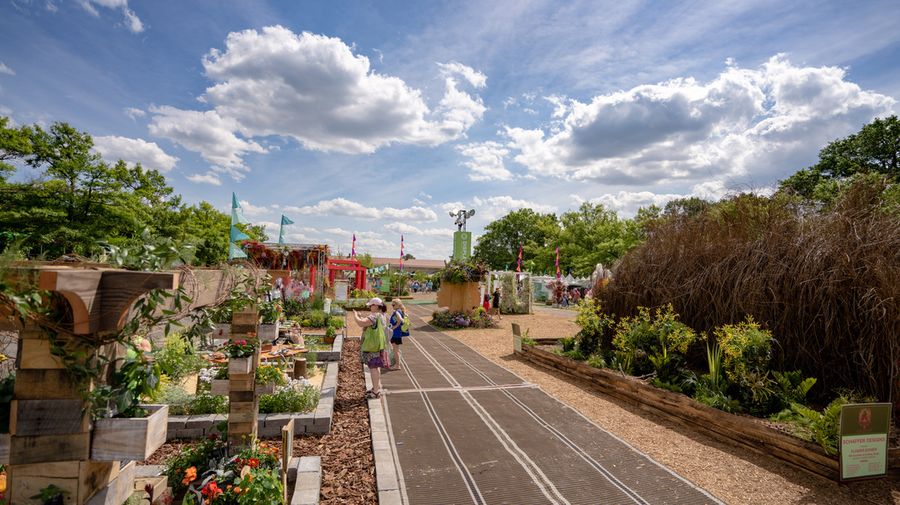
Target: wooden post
pixel 243 410
pixel 299 368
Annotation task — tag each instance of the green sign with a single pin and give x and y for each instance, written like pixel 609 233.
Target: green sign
pixel 462 245
pixel 864 440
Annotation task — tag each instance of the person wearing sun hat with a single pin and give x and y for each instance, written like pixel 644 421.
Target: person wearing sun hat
pixel 373 343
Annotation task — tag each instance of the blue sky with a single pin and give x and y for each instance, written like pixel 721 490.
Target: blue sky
pixel 379 117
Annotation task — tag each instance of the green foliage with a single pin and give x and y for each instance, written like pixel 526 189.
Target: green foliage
pixel 289 400
pixel 593 234
pixel 315 319
pixel 134 379
pixel 153 253
pixel 498 246
pixel 653 342
pixel 458 272
pixel 746 349
pixel 594 325
pixel 362 293
pixel 455 320
pixel 261 486
pixel 874 150
pixel 567 344
pixel 240 348
pixel 792 387
pixel 365 259
pixel 820 427
pixel 271 311
pixel 270 374
pixel 597 361
pixel 51 495
pixel 77 200
pixel 178 358
pixel 201 455
pixel 205 403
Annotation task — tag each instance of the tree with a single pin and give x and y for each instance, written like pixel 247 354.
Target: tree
pixel 875 149
pixel 593 234
pixel 499 246
pixel 365 259
pixel 79 201
pixel 408 256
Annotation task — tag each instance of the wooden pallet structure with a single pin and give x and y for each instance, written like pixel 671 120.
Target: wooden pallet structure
pixel 243 400
pixel 52 439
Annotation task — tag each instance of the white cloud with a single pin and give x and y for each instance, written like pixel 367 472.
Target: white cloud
pixel 314 89
pixel 253 210
pixel 475 78
pixel 134 113
pixel 207 178
pixel 148 154
pixel 761 122
pixel 207 133
pixel 132 22
pixel 6 70
pixel 408 229
pixel 627 203
pixel 493 207
pixel 485 161
pixel 344 207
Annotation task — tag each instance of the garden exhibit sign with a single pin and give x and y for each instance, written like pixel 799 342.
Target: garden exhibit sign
pixel 864 440
pixel 462 245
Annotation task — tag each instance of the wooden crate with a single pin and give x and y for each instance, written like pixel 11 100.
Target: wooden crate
pixel 130 438
pixel 219 387
pixel 240 366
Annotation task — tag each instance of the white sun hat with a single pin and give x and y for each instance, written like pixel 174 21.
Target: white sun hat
pixel 374 301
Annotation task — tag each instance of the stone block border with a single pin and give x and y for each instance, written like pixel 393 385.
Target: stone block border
pixel 268 425
pixel 335 353
pixel 388 476
pixel 694 415
pixel 308 483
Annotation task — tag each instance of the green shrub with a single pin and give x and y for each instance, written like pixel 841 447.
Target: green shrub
pixel 316 319
pixel 791 387
pixel 336 322
pixel 596 361
pixel 653 342
pixel 178 358
pixel 289 400
pixel 270 374
pixel 820 427
pixel 454 320
pixel 205 403
pixel 199 455
pixel 745 348
pixel 594 324
pixel 567 344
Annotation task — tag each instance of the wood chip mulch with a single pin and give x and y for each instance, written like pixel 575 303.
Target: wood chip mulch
pixel 348 465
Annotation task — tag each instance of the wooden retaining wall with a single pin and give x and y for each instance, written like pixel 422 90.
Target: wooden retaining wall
pixel 692 414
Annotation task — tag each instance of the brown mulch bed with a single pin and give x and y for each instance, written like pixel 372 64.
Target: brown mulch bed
pixel 348 465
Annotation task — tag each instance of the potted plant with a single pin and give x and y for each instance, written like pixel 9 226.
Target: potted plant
pixel 123 428
pixel 267 377
pixel 271 313
pixel 241 354
pixel 219 384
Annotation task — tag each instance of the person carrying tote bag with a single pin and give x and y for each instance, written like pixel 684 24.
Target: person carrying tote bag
pixel 373 343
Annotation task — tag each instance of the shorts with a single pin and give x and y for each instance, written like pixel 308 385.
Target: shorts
pixel 372 359
pixel 397 340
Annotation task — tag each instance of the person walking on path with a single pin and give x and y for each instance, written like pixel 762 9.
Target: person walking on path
pixel 487 304
pixel 400 324
pixel 373 343
pixel 495 303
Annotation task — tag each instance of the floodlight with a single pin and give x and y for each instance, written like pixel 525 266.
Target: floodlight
pixel 470 213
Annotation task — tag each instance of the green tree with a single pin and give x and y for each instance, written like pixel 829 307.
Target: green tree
pixel 499 245
pixel 593 234
pixel 875 149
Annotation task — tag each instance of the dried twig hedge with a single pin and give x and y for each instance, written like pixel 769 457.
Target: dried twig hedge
pixel 826 283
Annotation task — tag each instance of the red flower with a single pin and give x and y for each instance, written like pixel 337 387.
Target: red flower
pixel 211 491
pixel 253 463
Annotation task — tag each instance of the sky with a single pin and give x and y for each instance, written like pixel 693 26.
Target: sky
pixel 379 118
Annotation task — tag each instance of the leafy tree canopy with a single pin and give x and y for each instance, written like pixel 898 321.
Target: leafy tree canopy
pixel 74 201
pixel 874 150
pixel 498 247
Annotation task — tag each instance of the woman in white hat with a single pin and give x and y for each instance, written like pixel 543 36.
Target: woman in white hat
pixel 373 343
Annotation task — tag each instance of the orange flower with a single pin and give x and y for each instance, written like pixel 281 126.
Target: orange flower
pixel 190 475
pixel 237 490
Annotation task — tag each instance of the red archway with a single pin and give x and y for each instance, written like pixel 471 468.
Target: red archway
pixel 347 265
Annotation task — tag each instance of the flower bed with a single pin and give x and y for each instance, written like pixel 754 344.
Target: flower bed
pixel 456 320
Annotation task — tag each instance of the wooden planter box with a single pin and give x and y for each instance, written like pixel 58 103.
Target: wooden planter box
pixel 240 365
pixel 219 387
pixel 268 331
pixel 4 448
pixel 133 438
pixel 265 389
pixel 692 414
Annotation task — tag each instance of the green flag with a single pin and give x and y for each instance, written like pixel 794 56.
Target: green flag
pixel 285 220
pixel 235 252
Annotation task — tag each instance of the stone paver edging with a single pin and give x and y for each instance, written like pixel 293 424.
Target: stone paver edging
pixel 317 422
pixel 308 484
pixel 387 476
pixel 335 353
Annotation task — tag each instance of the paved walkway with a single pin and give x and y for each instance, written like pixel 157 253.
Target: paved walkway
pixel 465 430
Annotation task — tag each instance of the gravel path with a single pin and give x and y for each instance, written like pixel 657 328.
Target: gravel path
pixel 732 473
